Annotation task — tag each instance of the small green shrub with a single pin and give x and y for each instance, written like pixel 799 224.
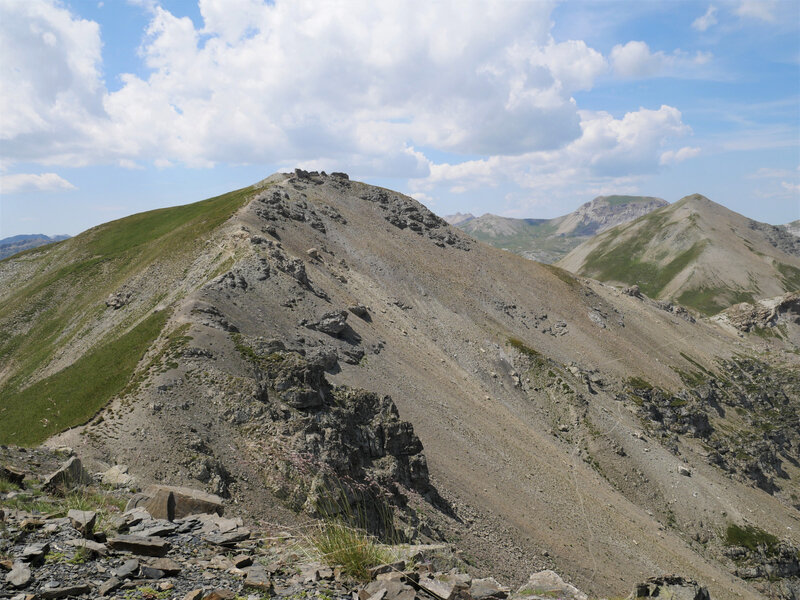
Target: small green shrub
pixel 6 486
pixel 750 537
pixel 639 384
pixel 339 544
pixel 520 346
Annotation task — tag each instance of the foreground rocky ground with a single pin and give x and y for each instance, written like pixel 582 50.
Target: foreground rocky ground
pixel 71 535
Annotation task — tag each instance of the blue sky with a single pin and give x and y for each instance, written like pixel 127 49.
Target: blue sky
pixel 526 109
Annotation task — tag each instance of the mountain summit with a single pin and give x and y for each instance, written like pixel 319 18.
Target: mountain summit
pixel 695 251
pixel 548 240
pixel 313 342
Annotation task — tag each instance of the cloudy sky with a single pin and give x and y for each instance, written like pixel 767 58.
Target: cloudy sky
pixel 522 108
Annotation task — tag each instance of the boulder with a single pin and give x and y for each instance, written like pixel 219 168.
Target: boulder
pixel 359 310
pixel 673 587
pixel 173 502
pixel 548 583
pixel 20 576
pixel 109 586
pixel 83 521
pixel 256 577
pixel 118 475
pixel 632 291
pixel 70 591
pixel 35 553
pixel 486 589
pixel 127 569
pixel 95 547
pixel 69 475
pixel 332 323
pixel 161 505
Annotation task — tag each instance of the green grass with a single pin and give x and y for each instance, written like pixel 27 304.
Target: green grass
pixel 520 346
pixel 791 276
pixel 352 549
pixel 750 537
pixel 637 383
pixel 6 486
pixel 71 396
pixel 563 275
pixel 63 300
pixel 710 301
pixel 624 263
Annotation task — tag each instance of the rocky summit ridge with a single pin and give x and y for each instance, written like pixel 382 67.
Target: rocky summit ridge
pixel 312 347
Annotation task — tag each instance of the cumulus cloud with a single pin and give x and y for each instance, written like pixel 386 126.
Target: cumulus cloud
pixel 609 154
pixel 30 182
pixel 51 91
pixel 635 60
pixel 304 83
pixel 671 157
pixel 294 81
pixel 703 22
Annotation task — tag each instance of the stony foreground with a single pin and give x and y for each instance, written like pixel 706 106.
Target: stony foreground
pixel 69 536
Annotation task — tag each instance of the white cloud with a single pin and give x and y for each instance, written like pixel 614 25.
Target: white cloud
pixel 30 182
pixel 51 89
pixel 609 155
pixel 295 81
pixel 791 187
pixel 770 173
pixel 671 157
pixel 634 60
pixel 763 10
pixel 703 22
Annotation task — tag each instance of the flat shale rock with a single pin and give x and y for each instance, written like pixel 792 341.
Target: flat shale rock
pixel 143 546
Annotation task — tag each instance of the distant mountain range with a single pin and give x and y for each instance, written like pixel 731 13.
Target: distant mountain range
pixel 17 243
pixel 696 252
pixel 548 240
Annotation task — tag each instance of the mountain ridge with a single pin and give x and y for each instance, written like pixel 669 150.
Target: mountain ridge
pixel 547 240
pixel 514 374
pixel 19 243
pixel 695 251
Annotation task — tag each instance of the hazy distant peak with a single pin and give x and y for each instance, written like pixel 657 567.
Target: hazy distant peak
pixel 459 218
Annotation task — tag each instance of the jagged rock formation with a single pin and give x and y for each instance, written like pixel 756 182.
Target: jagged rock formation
pixel 266 327
pixel 548 240
pixel 771 317
pixel 695 252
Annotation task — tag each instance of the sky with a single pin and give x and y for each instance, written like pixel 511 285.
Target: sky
pixel 518 108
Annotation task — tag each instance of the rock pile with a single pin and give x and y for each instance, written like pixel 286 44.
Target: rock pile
pixel 174 543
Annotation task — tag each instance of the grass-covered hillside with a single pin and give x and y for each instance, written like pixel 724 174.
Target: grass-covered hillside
pixel 695 252
pixel 63 352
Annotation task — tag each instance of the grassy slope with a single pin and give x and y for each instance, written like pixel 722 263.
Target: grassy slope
pixel 74 394
pixel 620 258
pixel 63 300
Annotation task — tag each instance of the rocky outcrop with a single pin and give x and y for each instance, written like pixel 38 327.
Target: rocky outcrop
pixel 763 314
pixel 672 587
pixel 402 212
pixel 333 449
